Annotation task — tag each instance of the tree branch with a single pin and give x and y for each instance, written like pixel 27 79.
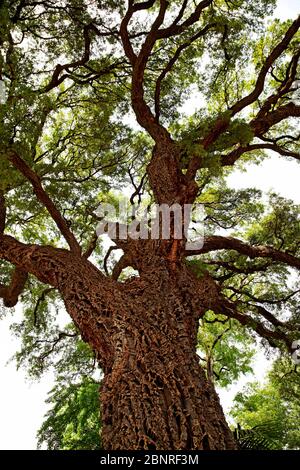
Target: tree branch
pixel 236 270
pixel 91 309
pixel 219 337
pixel 284 88
pixel 222 123
pixel 261 125
pixel 230 309
pixel 217 242
pixel 123 263
pixel 39 301
pixel 2 212
pixel 10 294
pixel 108 253
pixel 33 259
pixel 56 79
pixel 269 316
pixel 273 56
pixel 181 12
pixel 91 246
pixel 47 202
pixel 232 157
pixel 143 112
pixel 262 301
pixel 137 188
pixel 61 335
pixel 175 29
pixel 172 62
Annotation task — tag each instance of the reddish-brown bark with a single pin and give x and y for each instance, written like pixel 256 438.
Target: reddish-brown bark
pixel 144 331
pixel 156 396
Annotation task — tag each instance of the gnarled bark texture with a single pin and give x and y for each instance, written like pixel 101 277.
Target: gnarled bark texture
pixel 144 331
pixel 155 395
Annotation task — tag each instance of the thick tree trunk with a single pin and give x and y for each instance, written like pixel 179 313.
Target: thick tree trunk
pixel 156 396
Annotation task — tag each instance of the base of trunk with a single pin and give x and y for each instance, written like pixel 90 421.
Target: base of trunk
pixel 158 398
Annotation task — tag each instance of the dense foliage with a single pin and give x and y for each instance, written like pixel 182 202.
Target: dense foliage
pixel 272 409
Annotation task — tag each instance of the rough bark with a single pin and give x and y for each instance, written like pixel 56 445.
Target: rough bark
pixel 169 184
pixel 156 396
pixel 144 332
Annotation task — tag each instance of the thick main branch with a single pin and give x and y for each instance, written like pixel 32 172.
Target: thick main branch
pixel 91 299
pixel 45 199
pixel 273 56
pixel 216 242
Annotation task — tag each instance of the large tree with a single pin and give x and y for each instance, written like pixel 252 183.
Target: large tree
pixel 74 77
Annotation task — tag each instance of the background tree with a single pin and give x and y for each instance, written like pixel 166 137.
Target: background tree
pixel 273 408
pixel 74 75
pixel 73 422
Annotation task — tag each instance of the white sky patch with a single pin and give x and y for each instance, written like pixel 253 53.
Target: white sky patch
pixel 275 173
pixel 287 9
pixel 22 405
pixel 22 402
